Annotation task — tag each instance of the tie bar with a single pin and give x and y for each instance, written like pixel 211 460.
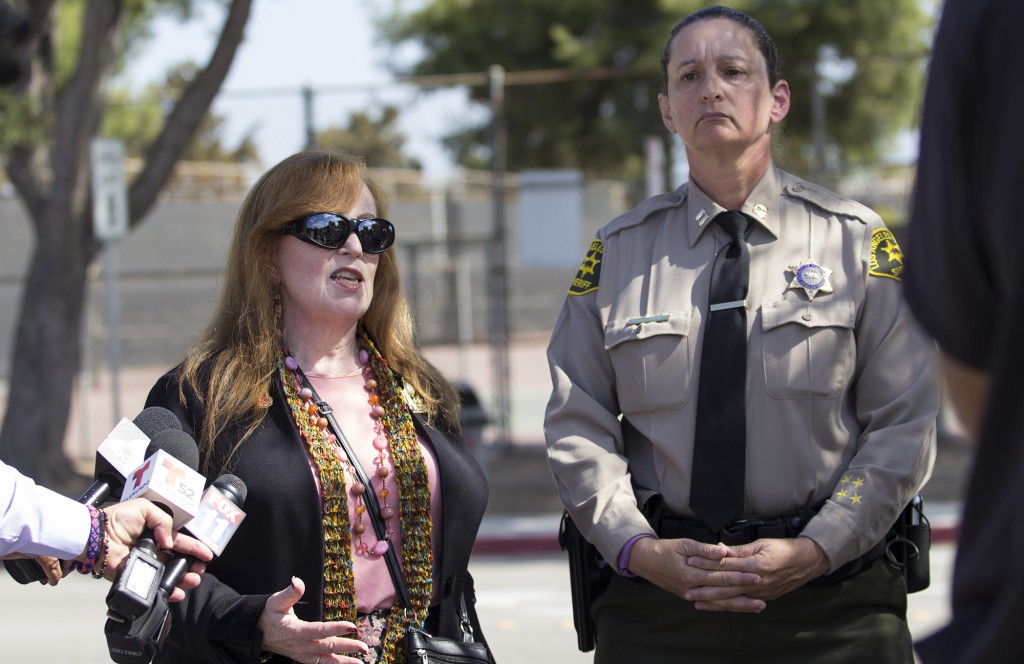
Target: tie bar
pixel 729 305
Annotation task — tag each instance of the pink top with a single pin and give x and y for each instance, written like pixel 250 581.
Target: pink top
pixel 374 589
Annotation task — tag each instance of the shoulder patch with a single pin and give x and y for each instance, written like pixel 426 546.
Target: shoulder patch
pixel 590 271
pixel 886 256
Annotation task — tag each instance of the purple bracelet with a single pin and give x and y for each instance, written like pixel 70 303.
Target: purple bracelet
pixel 623 559
pixel 96 546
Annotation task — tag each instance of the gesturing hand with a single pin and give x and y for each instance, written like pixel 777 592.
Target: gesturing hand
pixel 308 642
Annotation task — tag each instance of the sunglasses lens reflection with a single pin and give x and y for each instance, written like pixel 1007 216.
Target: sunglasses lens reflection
pixel 331 231
pixel 327 230
pixel 375 235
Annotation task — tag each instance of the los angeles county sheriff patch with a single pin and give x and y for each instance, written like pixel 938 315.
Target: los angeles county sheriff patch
pixel 886 256
pixel 590 271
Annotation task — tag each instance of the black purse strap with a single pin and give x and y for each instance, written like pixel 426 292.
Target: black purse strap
pixel 372 508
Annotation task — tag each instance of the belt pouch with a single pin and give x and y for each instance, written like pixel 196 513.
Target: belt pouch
pixel 909 545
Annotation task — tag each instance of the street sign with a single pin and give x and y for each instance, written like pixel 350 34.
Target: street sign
pixel 109 191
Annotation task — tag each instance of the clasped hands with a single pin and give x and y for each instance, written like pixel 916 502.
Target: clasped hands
pixel 716 577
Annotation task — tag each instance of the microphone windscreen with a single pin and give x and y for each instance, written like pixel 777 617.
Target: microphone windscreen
pixel 178 444
pixel 155 419
pixel 230 484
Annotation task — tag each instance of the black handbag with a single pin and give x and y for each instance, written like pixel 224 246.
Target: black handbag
pixel 420 646
pixel 424 648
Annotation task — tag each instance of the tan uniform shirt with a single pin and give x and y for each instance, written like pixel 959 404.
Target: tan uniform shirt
pixel 842 391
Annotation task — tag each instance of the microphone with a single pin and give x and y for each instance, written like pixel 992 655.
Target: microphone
pixel 219 516
pixel 121 451
pixel 124 449
pixel 168 477
pixel 169 480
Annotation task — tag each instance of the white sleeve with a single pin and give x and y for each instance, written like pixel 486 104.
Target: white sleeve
pixel 36 521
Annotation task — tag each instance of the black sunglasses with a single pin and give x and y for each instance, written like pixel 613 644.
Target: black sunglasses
pixel 330 231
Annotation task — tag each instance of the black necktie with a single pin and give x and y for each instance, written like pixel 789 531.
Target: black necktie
pixel 719 450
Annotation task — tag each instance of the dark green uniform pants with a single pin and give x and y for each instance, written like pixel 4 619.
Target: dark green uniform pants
pixel 859 620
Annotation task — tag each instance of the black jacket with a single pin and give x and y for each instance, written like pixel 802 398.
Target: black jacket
pixel 282 535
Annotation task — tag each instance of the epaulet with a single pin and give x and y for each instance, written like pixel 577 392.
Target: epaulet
pixel 829 201
pixel 637 215
pixel 589 275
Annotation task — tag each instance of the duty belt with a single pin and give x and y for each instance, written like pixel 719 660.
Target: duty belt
pixel 740 531
pixel 745 531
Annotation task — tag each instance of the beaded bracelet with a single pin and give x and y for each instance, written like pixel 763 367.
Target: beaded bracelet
pixel 101 564
pixel 96 546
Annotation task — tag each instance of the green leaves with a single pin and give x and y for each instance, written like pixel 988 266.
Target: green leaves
pixel 598 125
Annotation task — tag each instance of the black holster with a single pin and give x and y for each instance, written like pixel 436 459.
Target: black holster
pixel 589 576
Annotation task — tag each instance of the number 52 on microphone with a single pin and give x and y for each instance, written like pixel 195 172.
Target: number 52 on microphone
pixel 169 483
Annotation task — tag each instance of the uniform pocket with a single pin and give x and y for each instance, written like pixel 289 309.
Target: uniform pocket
pixel 652 360
pixel 809 348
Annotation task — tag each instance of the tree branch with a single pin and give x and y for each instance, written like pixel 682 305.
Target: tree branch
pixel 187 114
pixel 80 103
pixel 27 160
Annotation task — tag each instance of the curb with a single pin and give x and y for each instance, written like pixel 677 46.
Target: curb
pixel 945 534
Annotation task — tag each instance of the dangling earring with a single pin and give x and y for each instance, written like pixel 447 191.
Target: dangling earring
pixel 278 317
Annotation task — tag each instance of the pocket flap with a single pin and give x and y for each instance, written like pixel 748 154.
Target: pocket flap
pixel 833 313
pixel 646 326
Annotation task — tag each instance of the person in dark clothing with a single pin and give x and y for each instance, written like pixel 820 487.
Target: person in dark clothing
pixel 965 283
pixel 311 352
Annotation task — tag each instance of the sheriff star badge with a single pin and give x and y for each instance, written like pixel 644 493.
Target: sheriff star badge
pixel 812 277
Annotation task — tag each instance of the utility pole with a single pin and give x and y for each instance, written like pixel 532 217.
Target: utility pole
pixel 307 108
pixel 499 259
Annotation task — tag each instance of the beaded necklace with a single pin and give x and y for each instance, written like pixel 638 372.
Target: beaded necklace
pixel 395 424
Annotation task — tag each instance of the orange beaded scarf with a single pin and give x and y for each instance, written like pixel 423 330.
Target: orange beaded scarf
pixel 413 503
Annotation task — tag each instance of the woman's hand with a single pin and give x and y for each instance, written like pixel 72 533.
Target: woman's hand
pixel 673 566
pixel 782 564
pixel 306 642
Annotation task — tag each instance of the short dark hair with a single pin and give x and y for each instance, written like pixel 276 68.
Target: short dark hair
pixel 764 41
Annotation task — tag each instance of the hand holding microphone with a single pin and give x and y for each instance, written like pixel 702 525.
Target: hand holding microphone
pixel 119 454
pixel 126 523
pixel 167 478
pixel 138 619
pixel 138 640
